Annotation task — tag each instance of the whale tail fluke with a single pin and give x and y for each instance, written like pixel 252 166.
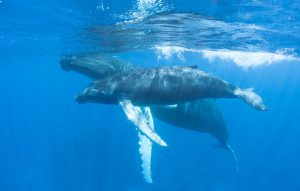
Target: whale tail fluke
pixel 229 149
pixel 251 98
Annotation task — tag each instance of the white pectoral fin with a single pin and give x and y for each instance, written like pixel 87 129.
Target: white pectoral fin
pixel 146 150
pixel 142 118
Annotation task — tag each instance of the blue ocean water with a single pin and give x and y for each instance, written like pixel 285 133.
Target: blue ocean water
pixel 49 142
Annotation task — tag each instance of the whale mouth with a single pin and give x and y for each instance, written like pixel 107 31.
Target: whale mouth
pixel 80 98
pixel 67 62
pixel 83 96
pixel 87 95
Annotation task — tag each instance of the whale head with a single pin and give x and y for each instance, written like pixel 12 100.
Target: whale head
pixel 68 63
pixel 95 94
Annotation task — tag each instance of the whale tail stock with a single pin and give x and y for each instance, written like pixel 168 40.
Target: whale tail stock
pixel 251 98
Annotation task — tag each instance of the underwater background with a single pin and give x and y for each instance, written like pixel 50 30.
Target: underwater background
pixel 49 142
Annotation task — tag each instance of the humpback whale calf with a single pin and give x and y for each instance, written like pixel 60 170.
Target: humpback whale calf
pixel 95 66
pixel 164 86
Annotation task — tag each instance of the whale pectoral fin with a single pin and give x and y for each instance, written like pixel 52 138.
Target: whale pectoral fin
pixel 142 118
pixel 145 152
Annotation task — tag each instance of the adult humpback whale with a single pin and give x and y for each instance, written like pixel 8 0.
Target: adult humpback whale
pixel 202 115
pixel 164 86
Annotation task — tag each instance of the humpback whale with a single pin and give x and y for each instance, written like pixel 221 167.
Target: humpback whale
pixel 164 86
pixel 202 115
pixel 95 66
